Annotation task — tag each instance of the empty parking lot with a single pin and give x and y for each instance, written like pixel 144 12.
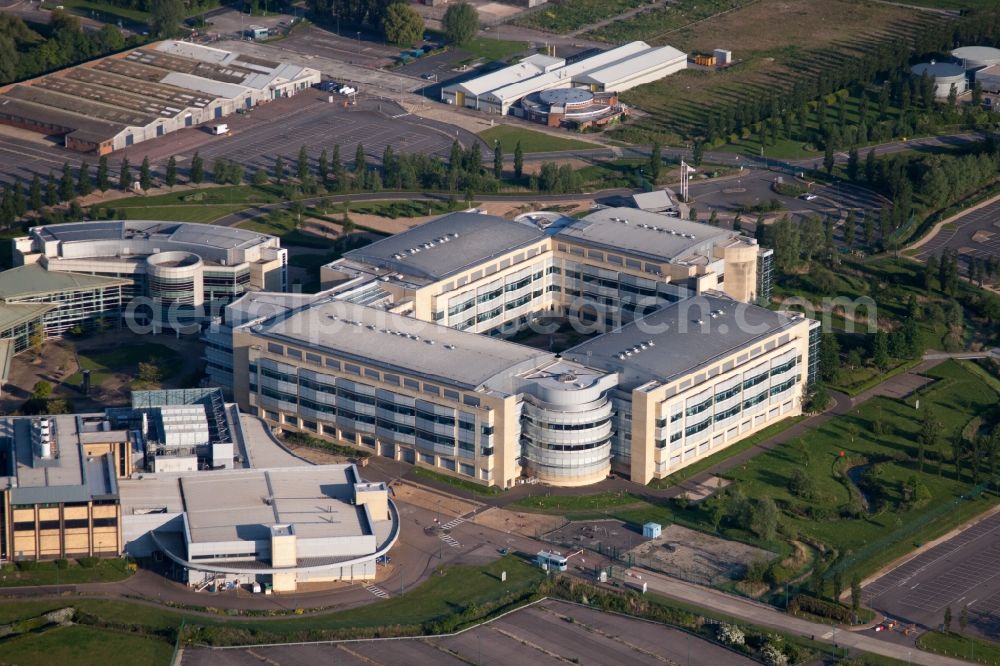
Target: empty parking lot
pixel 960 572
pixel 974 235
pixel 277 128
pixel 551 632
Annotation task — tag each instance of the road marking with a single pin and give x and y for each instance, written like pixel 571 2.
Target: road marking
pixel 377 591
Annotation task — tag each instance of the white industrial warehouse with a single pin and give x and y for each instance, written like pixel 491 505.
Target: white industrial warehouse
pixel 615 70
pixel 117 101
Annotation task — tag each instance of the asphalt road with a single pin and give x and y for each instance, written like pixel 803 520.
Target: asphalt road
pixel 960 572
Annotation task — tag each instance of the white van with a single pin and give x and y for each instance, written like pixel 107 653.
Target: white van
pixel 222 128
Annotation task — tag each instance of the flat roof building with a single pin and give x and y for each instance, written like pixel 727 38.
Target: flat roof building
pixel 280 526
pixel 115 102
pixel 615 70
pixel 176 270
pixel 388 357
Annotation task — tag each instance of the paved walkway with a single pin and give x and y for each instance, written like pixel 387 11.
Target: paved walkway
pixel 767 616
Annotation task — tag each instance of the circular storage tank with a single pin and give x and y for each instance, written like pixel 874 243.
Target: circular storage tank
pixel 945 75
pixel 176 277
pixel 977 57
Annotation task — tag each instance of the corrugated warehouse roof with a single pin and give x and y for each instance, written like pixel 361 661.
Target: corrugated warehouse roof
pixel 498 79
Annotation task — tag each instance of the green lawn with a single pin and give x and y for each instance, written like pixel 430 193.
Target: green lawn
pixel 491 48
pixel 531 141
pixel 471 486
pixel 956 399
pixel 653 24
pixel 571 503
pixel 439 598
pixel 200 213
pixel 686 473
pixel 783 149
pixel 395 209
pixel 953 644
pixel 125 359
pixel 46 573
pixel 85 646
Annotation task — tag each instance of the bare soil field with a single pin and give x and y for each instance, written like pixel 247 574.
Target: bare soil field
pixel 527 524
pixel 696 556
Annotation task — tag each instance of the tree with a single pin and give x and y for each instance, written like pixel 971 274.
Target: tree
pixel 697 153
pixel 655 162
pixel 850 227
pixel 41 390
pixel 853 164
pixel 829 357
pixel 977 94
pixel 103 181
pixel 460 23
pixel 828 158
pixel 952 95
pixel 497 160
pixel 37 338
pixel 302 164
pixel 165 17
pixel 51 190
pixel 279 169
pixel 197 168
pixel 359 160
pixel 260 177
pixel 171 175
pixel 149 373
pixel 84 185
pixel 838 585
pixel 764 518
pixel 67 188
pixel 871 170
pixel 9 57
pixel 402 25
pixel 963 618
pixel 801 484
pixel 930 434
pixel 145 175
pixel 125 175
pixel 947 618
pixel 855 594
pixel 35 193
pixel 713 218
pixel 323 167
pixel 880 351
pixel 518 160
pixel 693 214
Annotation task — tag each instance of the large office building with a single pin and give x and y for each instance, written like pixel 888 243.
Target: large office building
pixel 613 71
pixel 165 274
pixel 403 353
pixel 121 100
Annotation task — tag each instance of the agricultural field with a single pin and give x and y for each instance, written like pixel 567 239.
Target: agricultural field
pixel 658 24
pixel 771 51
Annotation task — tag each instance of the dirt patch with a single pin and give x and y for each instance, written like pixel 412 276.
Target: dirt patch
pixel 697 557
pixel 316 456
pixel 527 524
pixel 698 491
pixel 426 499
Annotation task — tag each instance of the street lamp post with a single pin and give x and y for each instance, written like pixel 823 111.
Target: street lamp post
pixel 359 41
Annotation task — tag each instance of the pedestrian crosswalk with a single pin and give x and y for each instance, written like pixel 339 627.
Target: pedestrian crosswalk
pixel 451 524
pixel 377 591
pixel 450 540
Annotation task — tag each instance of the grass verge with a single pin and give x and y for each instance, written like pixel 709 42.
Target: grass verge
pixel 457 483
pixel 969 648
pixel 531 141
pixel 88 570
